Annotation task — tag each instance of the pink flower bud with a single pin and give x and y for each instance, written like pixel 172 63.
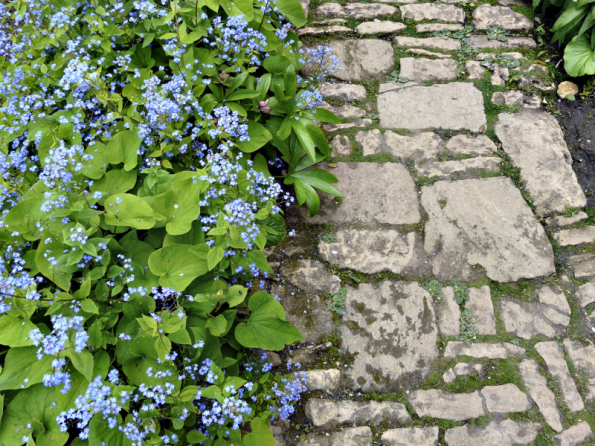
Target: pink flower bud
pixel 263 106
pixel 223 75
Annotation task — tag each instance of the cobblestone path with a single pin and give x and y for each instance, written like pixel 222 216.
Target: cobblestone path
pixel 446 300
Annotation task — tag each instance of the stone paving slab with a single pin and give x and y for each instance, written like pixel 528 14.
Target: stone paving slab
pixel 513 97
pixel 354 436
pixel 462 369
pixel 560 220
pixel 576 435
pixel 447 406
pixel 506 398
pixel 511 42
pixel 451 169
pixel 488 16
pixel 478 350
pixel 411 436
pixel 354 10
pixel 424 145
pixel 323 379
pixel 311 277
pixel 435 43
pixel 481 306
pixel 582 357
pixel 578 236
pixel 495 433
pixel 433 11
pixel 449 313
pixel 329 413
pixel 583 265
pixel 470 145
pixel 344 92
pixel 345 111
pixel 379 28
pixel 585 294
pixel 317 32
pixel 433 27
pixel 421 52
pixel 421 70
pixel 340 145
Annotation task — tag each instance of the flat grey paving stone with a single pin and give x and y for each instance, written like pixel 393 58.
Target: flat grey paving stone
pixel 576 435
pixel 560 220
pixel 583 265
pixel 582 357
pixel 433 11
pixel 495 433
pixel 345 111
pixel 420 70
pixel 432 27
pixel 585 294
pixel 499 76
pixel 481 306
pixel 392 329
pixel 462 369
pixel 375 193
pixel 344 92
pixel 475 69
pixel 447 406
pixel 329 413
pixel 463 168
pixel 354 10
pixel 511 42
pixel 371 251
pixel 513 97
pixel 488 16
pixel 316 32
pixel 478 350
pixel 311 277
pixel 353 436
pixel 470 145
pixel 411 436
pixel 422 145
pixel 535 142
pixel 436 43
pixel 341 145
pixel 484 222
pixel 553 355
pixel 540 393
pixel 329 22
pixel 506 398
pixel 305 6
pixel 390 86
pixel 323 379
pixel 422 52
pixel 452 106
pixel 573 237
pixel 359 123
pixel 380 28
pixel 449 313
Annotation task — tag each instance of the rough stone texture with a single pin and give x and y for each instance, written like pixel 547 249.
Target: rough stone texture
pixel 306 355
pixel 453 106
pixel 487 16
pixel 421 70
pixel 583 265
pixel 475 70
pixel 484 222
pixel 392 328
pixel 481 306
pixel 354 10
pixel 317 32
pixel 328 413
pixel 411 436
pixel 537 82
pixel 378 28
pixel 354 436
pixel 560 220
pixel 372 251
pixel 429 42
pixel 361 123
pixel 432 27
pixel 344 92
pixel 539 392
pixel 535 142
pixel 420 52
pixel 566 89
pixel 449 313
pixel 345 111
pixel 511 42
pixel 577 236
pixel 466 167
pixel 499 76
pixel 500 350
pixel 470 145
pixel 512 97
pixel 447 406
pixel 390 86
pixel 423 145
pixel 433 11
pixel 329 22
pixel 323 379
pixel 390 199
pixel 506 398
pixel 576 435
pixel 495 433
pixel 305 6
pixel 461 369
pixel 585 294
pixel 583 359
pixel 553 356
pixel 311 276
pixel 341 145
pixel 482 56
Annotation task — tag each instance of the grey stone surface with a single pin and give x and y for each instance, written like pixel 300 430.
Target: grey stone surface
pixel 353 436
pixel 433 11
pixel 576 435
pixel 449 313
pixel 499 350
pixel 512 97
pixel 585 294
pixel 329 413
pixel 372 251
pixel 461 369
pixel 311 276
pixel 484 222
pixel 583 359
pixel 470 145
pixel 447 406
pixel 495 433
pixel 481 306
pixel 566 89
pixel 506 398
pixel 432 27
pixel 453 106
pixel 540 393
pixel 390 199
pixel 578 236
pixel 535 142
pixel 456 169
pixel 499 76
pixel 392 328
pixel 553 355
pixel 359 123
pixel 421 70
pixel 305 6
pixel 511 42
pixel 323 379
pixel 583 265
pixel 429 42
pixel 488 16
pixel 354 10
pixel 329 22
pixel 422 145
pixel 341 145
pixel 306 355
pixel 560 220
pixel 345 111
pixel 390 86
pixel 422 52
pixel 475 70
pixel 380 27
pixel 411 436
pixel 536 81
pixel 482 56
pixel 344 92
pixel 311 31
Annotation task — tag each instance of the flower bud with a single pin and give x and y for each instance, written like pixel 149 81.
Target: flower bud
pixel 263 106
pixel 223 75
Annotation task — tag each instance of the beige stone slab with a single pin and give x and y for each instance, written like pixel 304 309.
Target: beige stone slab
pixel 578 236
pixel 344 92
pixel 435 43
pixel 506 398
pixel 380 28
pixel 353 436
pixel 583 265
pixel 449 313
pixel 329 413
pixel 511 42
pixel 432 27
pixel 451 169
pixel 421 52
pixel 560 220
pixel 423 145
pixel 411 436
pixel 582 356
pixel 499 350
pixel 576 435
pixel 495 433
pixel 470 145
pixel 420 70
pixel 481 306
pixel 488 16
pixel 433 11
pixel 447 406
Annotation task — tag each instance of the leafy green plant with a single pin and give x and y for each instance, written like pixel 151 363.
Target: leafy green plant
pixel 329 237
pixel 504 60
pixel 435 289
pixel 468 328
pixel 337 303
pixel 461 291
pixel 498 33
pixel 464 35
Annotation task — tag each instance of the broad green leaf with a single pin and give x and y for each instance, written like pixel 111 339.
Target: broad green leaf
pixel 115 182
pixel 194 437
pixel 83 362
pixel 51 248
pixel 293 11
pixel 259 136
pixel 123 148
pixel 290 81
pixel 214 256
pixel 217 325
pixel 260 435
pixel 100 434
pixel 95 168
pixel 129 210
pixel 275 229
pixel 14 331
pixel 579 58
pixel 304 138
pixel 89 306
pixel 22 369
pixel 179 205
pixel 23 217
pixel 176 266
pixel 236 294
pixel 571 15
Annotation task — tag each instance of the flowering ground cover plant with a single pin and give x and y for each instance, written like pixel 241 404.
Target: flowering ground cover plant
pixel 137 143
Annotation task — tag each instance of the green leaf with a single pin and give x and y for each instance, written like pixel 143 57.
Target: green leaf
pixel 14 331
pixel 275 229
pixel 176 266
pixel 180 337
pixel 236 295
pixel 571 15
pixel 579 58
pixel 261 434
pixel 293 11
pixel 259 136
pixel 83 362
pixel 217 325
pixel 214 256
pixel 23 217
pixel 179 205
pixel 100 433
pixel 243 94
pixel 305 138
pixel 123 148
pixel 276 64
pixel 194 437
pixel 115 182
pixel 22 369
pixel 129 210
pixel 290 81
pixel 89 306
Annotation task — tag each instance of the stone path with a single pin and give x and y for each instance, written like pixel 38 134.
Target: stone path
pixel 449 298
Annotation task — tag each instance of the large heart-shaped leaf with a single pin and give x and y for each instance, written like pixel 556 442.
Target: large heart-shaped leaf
pixel 14 331
pixel 579 58
pixel 176 266
pixel 22 368
pixel 129 210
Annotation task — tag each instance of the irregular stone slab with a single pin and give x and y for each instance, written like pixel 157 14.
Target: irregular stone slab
pixel 423 145
pixel 583 265
pixel 323 379
pixel 481 306
pixel 461 369
pixel 428 69
pixel 484 222
pixel 371 251
pixel 499 76
pixel 428 42
pixel 312 31
pixel 511 42
pixel 345 111
pixel 307 355
pixel 330 10
pixel 553 356
pixel 536 81
pixel 421 52
pixel 344 92
pixel 475 70
pixel 535 142
pixel 499 350
pixel 361 123
pixel 433 11
pixel 566 89
pixel 354 436
pixel 392 328
pixel 539 392
pixel 451 169
pixel 449 313
pixel 341 145
pixel 505 399
pixel 389 86
pixel 560 220
pixel 411 436
pixel 470 145
pixel 488 16
pixel 453 106
pixel 575 435
pixel 482 56
pixel 311 277
pixel 578 236
pixel 378 28
pixel 329 22
pixel 496 432
pixel 389 199
pixel 513 97
pixel 583 359
pixel 329 413
pixel 432 27
pixel 585 294
pixel 355 10
pixel 447 406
